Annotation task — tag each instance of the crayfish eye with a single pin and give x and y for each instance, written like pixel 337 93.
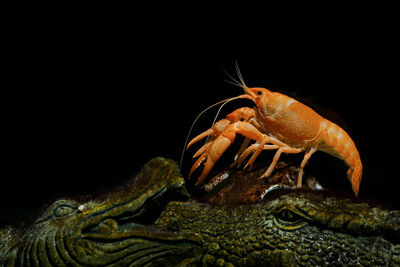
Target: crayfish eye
pixel 259 92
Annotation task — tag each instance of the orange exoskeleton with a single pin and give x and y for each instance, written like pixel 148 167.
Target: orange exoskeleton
pixel 277 122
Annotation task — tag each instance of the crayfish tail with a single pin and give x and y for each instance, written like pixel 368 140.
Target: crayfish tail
pixel 354 174
pixel 336 142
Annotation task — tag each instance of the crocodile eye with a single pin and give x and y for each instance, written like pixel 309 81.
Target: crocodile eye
pixel 288 216
pixel 289 220
pixel 63 210
pixel 58 209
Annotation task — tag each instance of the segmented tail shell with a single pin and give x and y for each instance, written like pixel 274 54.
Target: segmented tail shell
pixel 336 142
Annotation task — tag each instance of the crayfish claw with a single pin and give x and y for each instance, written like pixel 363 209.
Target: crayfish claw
pixel 203 149
pixel 199 137
pixel 198 162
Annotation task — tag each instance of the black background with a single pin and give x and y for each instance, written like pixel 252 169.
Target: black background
pixel 87 105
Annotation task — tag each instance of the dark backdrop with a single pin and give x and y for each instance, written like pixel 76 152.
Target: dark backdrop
pixel 86 109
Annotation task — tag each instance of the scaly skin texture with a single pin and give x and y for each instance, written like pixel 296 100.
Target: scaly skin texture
pixel 144 224
pixel 115 232
pixel 297 228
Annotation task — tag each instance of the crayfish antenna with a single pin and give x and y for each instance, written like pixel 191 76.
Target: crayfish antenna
pixel 239 83
pixel 243 84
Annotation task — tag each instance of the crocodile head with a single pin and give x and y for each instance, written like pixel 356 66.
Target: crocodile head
pixel 152 222
pixel 118 231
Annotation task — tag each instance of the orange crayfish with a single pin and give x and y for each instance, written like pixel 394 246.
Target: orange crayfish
pixel 276 122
